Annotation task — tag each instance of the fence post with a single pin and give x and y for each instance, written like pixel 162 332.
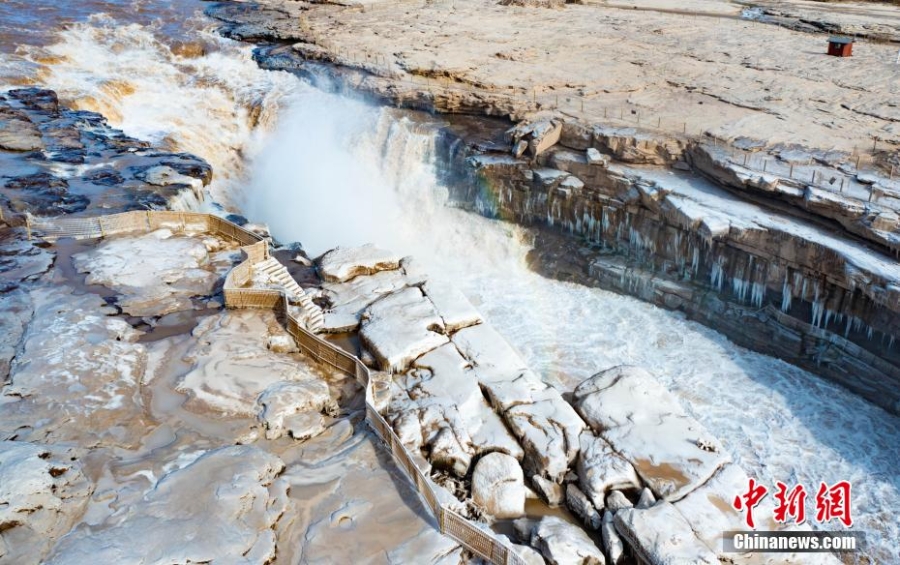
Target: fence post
pixel 100 224
pixel 842 184
pixel 791 173
pixel 28 225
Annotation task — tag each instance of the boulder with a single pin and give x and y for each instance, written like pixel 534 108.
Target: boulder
pixel 447 453
pixel 671 452
pixel 552 493
pixel 600 470
pixel 400 327
pixel 617 501
pixel 596 158
pixel 344 263
pixel 612 542
pixel 296 408
pixel 452 305
pixel 646 500
pixel 579 504
pixel 498 486
pixel 563 543
pixel 661 536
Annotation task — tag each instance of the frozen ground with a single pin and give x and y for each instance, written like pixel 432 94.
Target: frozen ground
pixel 694 66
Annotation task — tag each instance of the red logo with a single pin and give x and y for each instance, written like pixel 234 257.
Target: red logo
pixel 832 503
pixel 754 495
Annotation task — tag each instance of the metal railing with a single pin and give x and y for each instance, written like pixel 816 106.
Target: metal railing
pixel 255 249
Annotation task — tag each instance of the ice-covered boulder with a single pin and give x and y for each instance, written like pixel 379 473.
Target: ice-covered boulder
pixel 348 300
pixel 582 507
pixel 344 263
pixel 440 391
pixel 661 536
pixel 612 541
pixel 498 486
pixel 646 424
pixel 563 543
pixel 296 408
pixel 546 425
pixel 452 305
pixel 400 327
pixel 600 470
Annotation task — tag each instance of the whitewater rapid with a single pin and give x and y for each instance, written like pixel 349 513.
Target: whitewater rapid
pixel 327 170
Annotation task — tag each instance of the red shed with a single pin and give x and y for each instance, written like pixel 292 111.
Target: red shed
pixel 840 46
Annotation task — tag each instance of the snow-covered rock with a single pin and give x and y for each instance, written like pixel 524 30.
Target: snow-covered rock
pixel 546 425
pixel 349 299
pixel 562 543
pixel 452 305
pixel 440 391
pixel 643 422
pixel 554 494
pixel 612 542
pixel 344 263
pixel 218 507
pixel 400 327
pixel 579 504
pixel 661 536
pixel 616 501
pixel 498 486
pixel 600 470
pixel 300 405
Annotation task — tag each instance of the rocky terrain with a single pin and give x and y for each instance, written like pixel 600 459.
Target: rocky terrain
pixel 140 421
pixel 780 234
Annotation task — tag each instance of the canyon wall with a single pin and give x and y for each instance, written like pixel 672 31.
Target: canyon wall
pixel 784 280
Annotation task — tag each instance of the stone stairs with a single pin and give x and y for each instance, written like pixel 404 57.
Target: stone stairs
pixel 302 306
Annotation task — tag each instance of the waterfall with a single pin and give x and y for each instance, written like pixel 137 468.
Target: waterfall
pixel 215 105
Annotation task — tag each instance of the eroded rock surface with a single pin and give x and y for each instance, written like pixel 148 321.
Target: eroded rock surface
pixel 224 504
pixel 157 273
pixel 43 492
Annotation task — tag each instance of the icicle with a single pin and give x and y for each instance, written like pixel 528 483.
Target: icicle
pixel 757 294
pixel 786 294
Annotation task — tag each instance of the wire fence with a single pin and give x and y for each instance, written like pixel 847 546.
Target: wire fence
pixel 255 249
